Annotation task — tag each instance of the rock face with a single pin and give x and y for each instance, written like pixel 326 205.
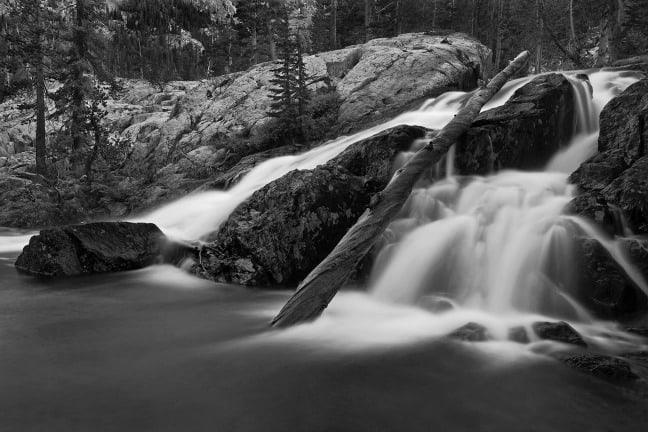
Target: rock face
pixel 605 287
pixel 558 331
pixel 615 181
pixel 92 248
pixel 190 133
pixel 524 132
pixel 286 228
pixel 613 191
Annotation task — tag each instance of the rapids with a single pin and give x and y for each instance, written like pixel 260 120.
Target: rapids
pixel 159 350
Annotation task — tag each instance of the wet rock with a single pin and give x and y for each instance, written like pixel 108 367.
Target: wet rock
pixel 605 287
pixel 558 331
pixel 471 332
pixel 286 228
pixel 91 248
pixel 613 185
pixel 524 133
pixel 601 366
pixel 519 335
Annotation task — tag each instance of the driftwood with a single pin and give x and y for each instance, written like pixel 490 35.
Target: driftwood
pixel 320 286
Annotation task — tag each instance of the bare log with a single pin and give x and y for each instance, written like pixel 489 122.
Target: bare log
pixel 317 290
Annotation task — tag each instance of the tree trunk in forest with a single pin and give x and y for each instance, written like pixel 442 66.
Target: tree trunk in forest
pixel 334 7
pixel 539 25
pixel 254 58
pixel 612 33
pixel 500 25
pixel 368 7
pixel 434 14
pixel 39 144
pixel 320 286
pixel 474 16
pixel 271 41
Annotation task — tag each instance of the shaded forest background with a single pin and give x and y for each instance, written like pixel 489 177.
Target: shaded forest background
pixel 164 40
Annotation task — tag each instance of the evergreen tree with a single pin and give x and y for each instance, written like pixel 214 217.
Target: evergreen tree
pixel 290 93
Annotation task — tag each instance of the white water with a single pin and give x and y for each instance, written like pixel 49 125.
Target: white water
pixel 494 248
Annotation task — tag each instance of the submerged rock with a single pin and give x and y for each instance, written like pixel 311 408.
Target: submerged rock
pixel 92 248
pixel 471 332
pixel 524 133
pixel 519 335
pixel 601 366
pixel 287 227
pixel 558 331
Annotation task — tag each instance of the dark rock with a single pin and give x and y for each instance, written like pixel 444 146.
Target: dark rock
pixel 615 180
pixel 524 133
pixel 605 287
pixel 92 248
pixel 471 332
pixel 519 335
pixel 558 331
pixel 287 227
pixel 601 366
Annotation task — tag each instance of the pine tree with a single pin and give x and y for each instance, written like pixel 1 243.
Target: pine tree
pixel 290 93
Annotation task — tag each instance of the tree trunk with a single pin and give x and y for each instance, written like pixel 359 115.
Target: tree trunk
pixel 271 42
pixel 539 24
pixel 333 30
pixel 320 286
pixel 39 144
pixel 368 6
pixel 434 14
pixel 500 31
pixel 612 33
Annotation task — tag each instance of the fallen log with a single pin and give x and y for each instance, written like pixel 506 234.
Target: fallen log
pixel 318 288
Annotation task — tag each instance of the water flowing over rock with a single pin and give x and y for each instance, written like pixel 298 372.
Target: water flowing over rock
pixel 92 248
pixel 559 332
pixel 613 191
pixel 287 227
pixel 524 133
pixel 613 185
pixel 471 332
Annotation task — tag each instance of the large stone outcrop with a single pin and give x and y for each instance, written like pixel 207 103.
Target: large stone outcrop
pixel 613 185
pixel 186 134
pixel 286 228
pixel 92 248
pixel 613 192
pixel 605 286
pixel 524 132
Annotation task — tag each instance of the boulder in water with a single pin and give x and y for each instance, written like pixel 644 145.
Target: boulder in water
pixel 92 248
pixel 471 332
pixel 287 227
pixel 558 331
pixel 524 133
pixel 518 334
pixel 601 366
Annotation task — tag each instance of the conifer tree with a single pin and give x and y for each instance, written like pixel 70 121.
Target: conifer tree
pixel 290 93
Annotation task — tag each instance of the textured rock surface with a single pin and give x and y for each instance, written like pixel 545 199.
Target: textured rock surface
pixel 558 331
pixel 605 287
pixel 189 133
pixel 287 227
pixel 92 248
pixel 615 181
pixel 471 332
pixel 601 366
pixel 524 132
